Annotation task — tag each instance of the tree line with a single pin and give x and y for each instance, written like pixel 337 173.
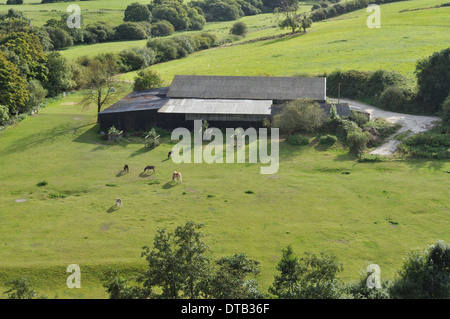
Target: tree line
pixel 179 265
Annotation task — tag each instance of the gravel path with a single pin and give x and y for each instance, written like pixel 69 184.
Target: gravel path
pixel 413 123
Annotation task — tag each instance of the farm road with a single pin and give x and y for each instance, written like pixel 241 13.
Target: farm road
pixel 413 123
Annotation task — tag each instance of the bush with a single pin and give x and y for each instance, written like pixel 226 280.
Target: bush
pixel 433 144
pixel 60 38
pixel 445 111
pixel 4 114
pixel 359 118
pixel 136 58
pixel 425 274
pixel 300 115
pixel 130 31
pixel 239 28
pixel 383 126
pixel 137 12
pixel 37 95
pixel 98 32
pixel 146 80
pixel 357 141
pixel 327 140
pixel 433 80
pixel 393 98
pixel 162 28
pixel 298 140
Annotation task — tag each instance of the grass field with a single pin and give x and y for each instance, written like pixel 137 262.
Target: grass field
pixel 343 42
pixel 376 213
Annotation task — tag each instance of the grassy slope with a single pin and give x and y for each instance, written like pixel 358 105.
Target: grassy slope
pixel 308 204
pixel 344 42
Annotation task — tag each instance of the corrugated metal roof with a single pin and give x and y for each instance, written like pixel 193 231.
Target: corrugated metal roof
pixel 217 106
pixel 247 87
pixel 138 101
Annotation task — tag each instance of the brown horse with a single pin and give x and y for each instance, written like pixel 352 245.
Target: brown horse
pixel 177 176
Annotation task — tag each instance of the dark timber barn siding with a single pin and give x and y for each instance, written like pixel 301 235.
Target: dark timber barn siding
pixel 224 101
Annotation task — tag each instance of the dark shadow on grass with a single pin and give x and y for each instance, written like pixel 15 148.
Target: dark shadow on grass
pixel 140 151
pixel 121 173
pixel 112 209
pixel 39 138
pixel 144 175
pixel 169 185
pixel 165 160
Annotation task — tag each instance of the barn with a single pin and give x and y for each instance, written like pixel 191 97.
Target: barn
pixel 223 101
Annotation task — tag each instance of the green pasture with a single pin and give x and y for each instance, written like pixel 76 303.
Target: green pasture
pixel 344 42
pixel 374 212
pixel 111 11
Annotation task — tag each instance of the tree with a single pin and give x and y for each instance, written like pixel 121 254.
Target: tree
pixel 37 96
pixel 288 11
pixel 130 31
pixel 230 279
pixel 136 12
pixel 300 115
pixel 177 263
pixel 20 288
pixel 162 28
pixel 59 77
pixel 310 277
pixel 13 92
pixel 425 274
pixel 239 28
pixel 433 80
pixel 26 52
pixel 357 141
pixel 146 80
pixel 445 112
pixel 100 82
pixel 286 285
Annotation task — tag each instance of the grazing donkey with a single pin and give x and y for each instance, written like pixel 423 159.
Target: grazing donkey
pixel 126 168
pixel 177 176
pixel 147 168
pixel 119 202
pixel 170 154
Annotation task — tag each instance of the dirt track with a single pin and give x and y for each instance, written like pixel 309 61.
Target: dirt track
pixel 413 123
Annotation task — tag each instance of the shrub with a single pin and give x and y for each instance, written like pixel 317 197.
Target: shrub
pixel 433 144
pixel 383 126
pixel 433 80
pixel 147 80
pixel 4 114
pixel 136 12
pixel 393 98
pixel 37 95
pixel 327 140
pixel 98 32
pixel 359 118
pixel 162 28
pixel 445 111
pixel 425 274
pixel 60 38
pixel 239 28
pixel 357 141
pixel 300 115
pixel 298 140
pixel 130 31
